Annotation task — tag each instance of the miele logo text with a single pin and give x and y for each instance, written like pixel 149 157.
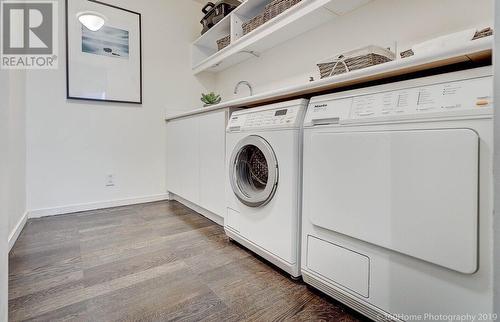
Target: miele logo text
pixel 322 105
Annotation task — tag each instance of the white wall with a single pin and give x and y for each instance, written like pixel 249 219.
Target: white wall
pixel 380 22
pixel 17 153
pixel 497 162
pixel 12 167
pixel 4 187
pixel 72 146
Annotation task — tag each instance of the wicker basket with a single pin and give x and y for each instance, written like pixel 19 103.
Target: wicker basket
pixel 407 53
pixel 223 42
pixel 277 7
pixel 354 60
pixel 253 24
pixel 486 32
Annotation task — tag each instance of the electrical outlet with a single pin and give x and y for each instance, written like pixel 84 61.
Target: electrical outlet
pixel 110 180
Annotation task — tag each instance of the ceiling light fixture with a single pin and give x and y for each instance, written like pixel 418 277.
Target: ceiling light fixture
pixel 92 20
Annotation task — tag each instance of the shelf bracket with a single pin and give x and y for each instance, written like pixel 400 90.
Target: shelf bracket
pixel 251 52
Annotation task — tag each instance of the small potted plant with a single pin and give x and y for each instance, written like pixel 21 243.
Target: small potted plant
pixel 210 99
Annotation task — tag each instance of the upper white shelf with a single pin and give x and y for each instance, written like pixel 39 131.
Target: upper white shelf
pixel 304 16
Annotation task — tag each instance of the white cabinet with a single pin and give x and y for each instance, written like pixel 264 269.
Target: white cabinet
pixel 173 157
pixel 183 158
pixel 196 159
pixel 212 156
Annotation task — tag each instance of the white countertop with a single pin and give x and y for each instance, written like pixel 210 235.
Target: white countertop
pixel 479 47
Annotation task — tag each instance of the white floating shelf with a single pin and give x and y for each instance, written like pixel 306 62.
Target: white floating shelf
pixel 306 15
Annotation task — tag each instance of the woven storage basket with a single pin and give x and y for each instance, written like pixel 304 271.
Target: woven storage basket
pixel 277 7
pixel 354 60
pixel 253 24
pixel 486 32
pixel 223 42
pixel 407 53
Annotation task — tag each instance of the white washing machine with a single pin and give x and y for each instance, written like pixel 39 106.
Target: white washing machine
pixel 263 181
pixel 397 209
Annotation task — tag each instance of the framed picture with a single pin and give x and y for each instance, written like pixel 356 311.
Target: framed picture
pixel 104 52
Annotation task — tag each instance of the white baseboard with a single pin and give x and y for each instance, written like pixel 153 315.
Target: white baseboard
pixel 14 234
pixel 39 213
pixel 202 211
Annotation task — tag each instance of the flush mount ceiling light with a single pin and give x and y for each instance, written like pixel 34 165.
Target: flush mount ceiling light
pixel 92 20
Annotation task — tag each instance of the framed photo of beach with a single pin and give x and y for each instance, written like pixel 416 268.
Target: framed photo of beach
pixel 103 52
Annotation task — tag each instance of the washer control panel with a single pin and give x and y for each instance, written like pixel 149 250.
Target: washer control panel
pixel 267 118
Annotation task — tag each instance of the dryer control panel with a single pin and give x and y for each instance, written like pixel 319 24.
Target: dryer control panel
pixel 271 117
pixel 466 97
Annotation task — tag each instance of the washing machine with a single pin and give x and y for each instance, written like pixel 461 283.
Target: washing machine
pixel 397 198
pixel 263 181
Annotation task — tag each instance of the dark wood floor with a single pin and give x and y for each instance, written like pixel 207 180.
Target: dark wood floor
pixel 152 262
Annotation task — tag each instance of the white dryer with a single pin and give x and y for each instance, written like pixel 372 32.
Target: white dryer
pixel 397 208
pixel 263 181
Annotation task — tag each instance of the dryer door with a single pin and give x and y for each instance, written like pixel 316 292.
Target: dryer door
pixel 415 191
pixel 253 171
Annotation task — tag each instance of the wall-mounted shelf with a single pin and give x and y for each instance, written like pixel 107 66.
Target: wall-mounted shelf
pixel 304 16
pixel 476 53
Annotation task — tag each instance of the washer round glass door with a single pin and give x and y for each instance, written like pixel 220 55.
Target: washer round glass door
pixel 254 171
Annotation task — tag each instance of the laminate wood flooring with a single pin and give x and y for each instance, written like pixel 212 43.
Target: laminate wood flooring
pixel 151 262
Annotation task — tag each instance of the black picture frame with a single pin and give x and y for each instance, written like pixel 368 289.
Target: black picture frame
pixel 68 96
